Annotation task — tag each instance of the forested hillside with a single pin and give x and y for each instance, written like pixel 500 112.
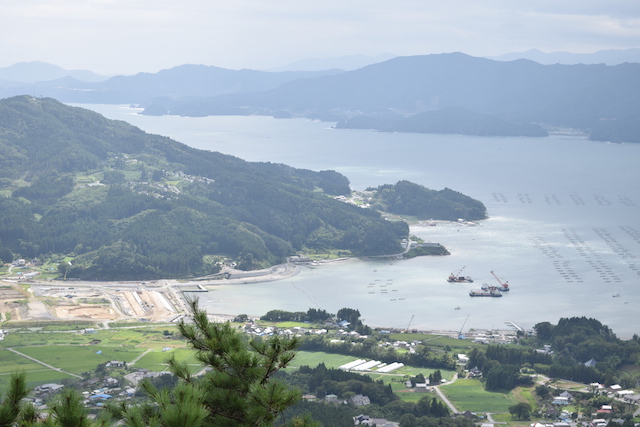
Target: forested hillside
pixel 131 205
pixel 407 198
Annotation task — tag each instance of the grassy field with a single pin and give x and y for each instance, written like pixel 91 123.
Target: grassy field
pixel 148 337
pixel 156 360
pixel 36 373
pixel 409 395
pixel 79 359
pixel 37 377
pixel 11 362
pixel 314 359
pixel 77 353
pixel 469 395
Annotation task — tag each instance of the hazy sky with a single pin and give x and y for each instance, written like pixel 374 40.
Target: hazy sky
pixel 128 36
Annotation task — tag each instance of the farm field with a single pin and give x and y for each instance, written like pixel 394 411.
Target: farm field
pixel 408 394
pixel 11 362
pixel 76 352
pixel 78 359
pixel 156 359
pixel 470 395
pixel 313 359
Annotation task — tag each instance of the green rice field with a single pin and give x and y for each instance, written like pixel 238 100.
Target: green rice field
pixel 470 395
pixel 156 359
pixel 77 353
pixel 78 359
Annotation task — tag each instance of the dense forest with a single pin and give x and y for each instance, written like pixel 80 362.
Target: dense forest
pixel 573 342
pixel 126 204
pixel 132 205
pixel 407 198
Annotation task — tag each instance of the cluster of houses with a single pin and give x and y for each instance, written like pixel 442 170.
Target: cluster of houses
pixel 252 329
pixel 357 400
pixel 491 337
pixel 108 388
pixel 356 199
pixel 615 391
pixel 24 264
pixel 366 420
pixel 603 414
pixel 96 397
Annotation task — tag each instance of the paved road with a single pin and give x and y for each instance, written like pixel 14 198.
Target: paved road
pixel 444 398
pixel 43 364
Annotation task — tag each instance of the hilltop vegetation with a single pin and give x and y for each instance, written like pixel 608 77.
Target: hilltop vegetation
pixel 573 342
pixel 407 198
pixel 129 205
pixel 133 205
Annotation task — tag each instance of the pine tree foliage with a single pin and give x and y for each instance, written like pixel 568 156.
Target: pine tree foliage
pixel 240 389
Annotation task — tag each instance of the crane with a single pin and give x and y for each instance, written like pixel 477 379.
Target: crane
pixel 503 286
pixel 410 320
pixel 457 278
pixel 460 335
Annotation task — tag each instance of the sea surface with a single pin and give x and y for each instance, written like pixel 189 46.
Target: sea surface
pixel 563 227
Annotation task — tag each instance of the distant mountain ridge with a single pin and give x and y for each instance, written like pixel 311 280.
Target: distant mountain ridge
pixel 345 63
pixel 608 57
pixel 470 95
pixel 37 71
pixel 602 101
pixel 175 83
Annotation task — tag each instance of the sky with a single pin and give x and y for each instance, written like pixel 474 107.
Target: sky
pixel 129 36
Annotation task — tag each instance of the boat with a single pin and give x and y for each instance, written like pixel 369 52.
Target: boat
pixel 485 293
pixel 456 278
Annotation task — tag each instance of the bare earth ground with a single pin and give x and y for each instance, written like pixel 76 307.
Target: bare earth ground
pixel 158 301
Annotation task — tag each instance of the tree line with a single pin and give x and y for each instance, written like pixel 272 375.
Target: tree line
pixel 574 341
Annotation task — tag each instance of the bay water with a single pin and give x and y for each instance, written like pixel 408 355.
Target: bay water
pixel 563 227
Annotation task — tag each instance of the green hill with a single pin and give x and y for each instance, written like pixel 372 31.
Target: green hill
pixel 128 204
pixel 407 198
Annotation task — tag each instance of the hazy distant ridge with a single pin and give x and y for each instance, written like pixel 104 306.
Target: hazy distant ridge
pixel 346 63
pixel 445 93
pixel 602 101
pixel 608 57
pixel 178 82
pixel 36 71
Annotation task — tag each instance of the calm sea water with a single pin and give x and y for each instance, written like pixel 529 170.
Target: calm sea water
pixel 564 227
